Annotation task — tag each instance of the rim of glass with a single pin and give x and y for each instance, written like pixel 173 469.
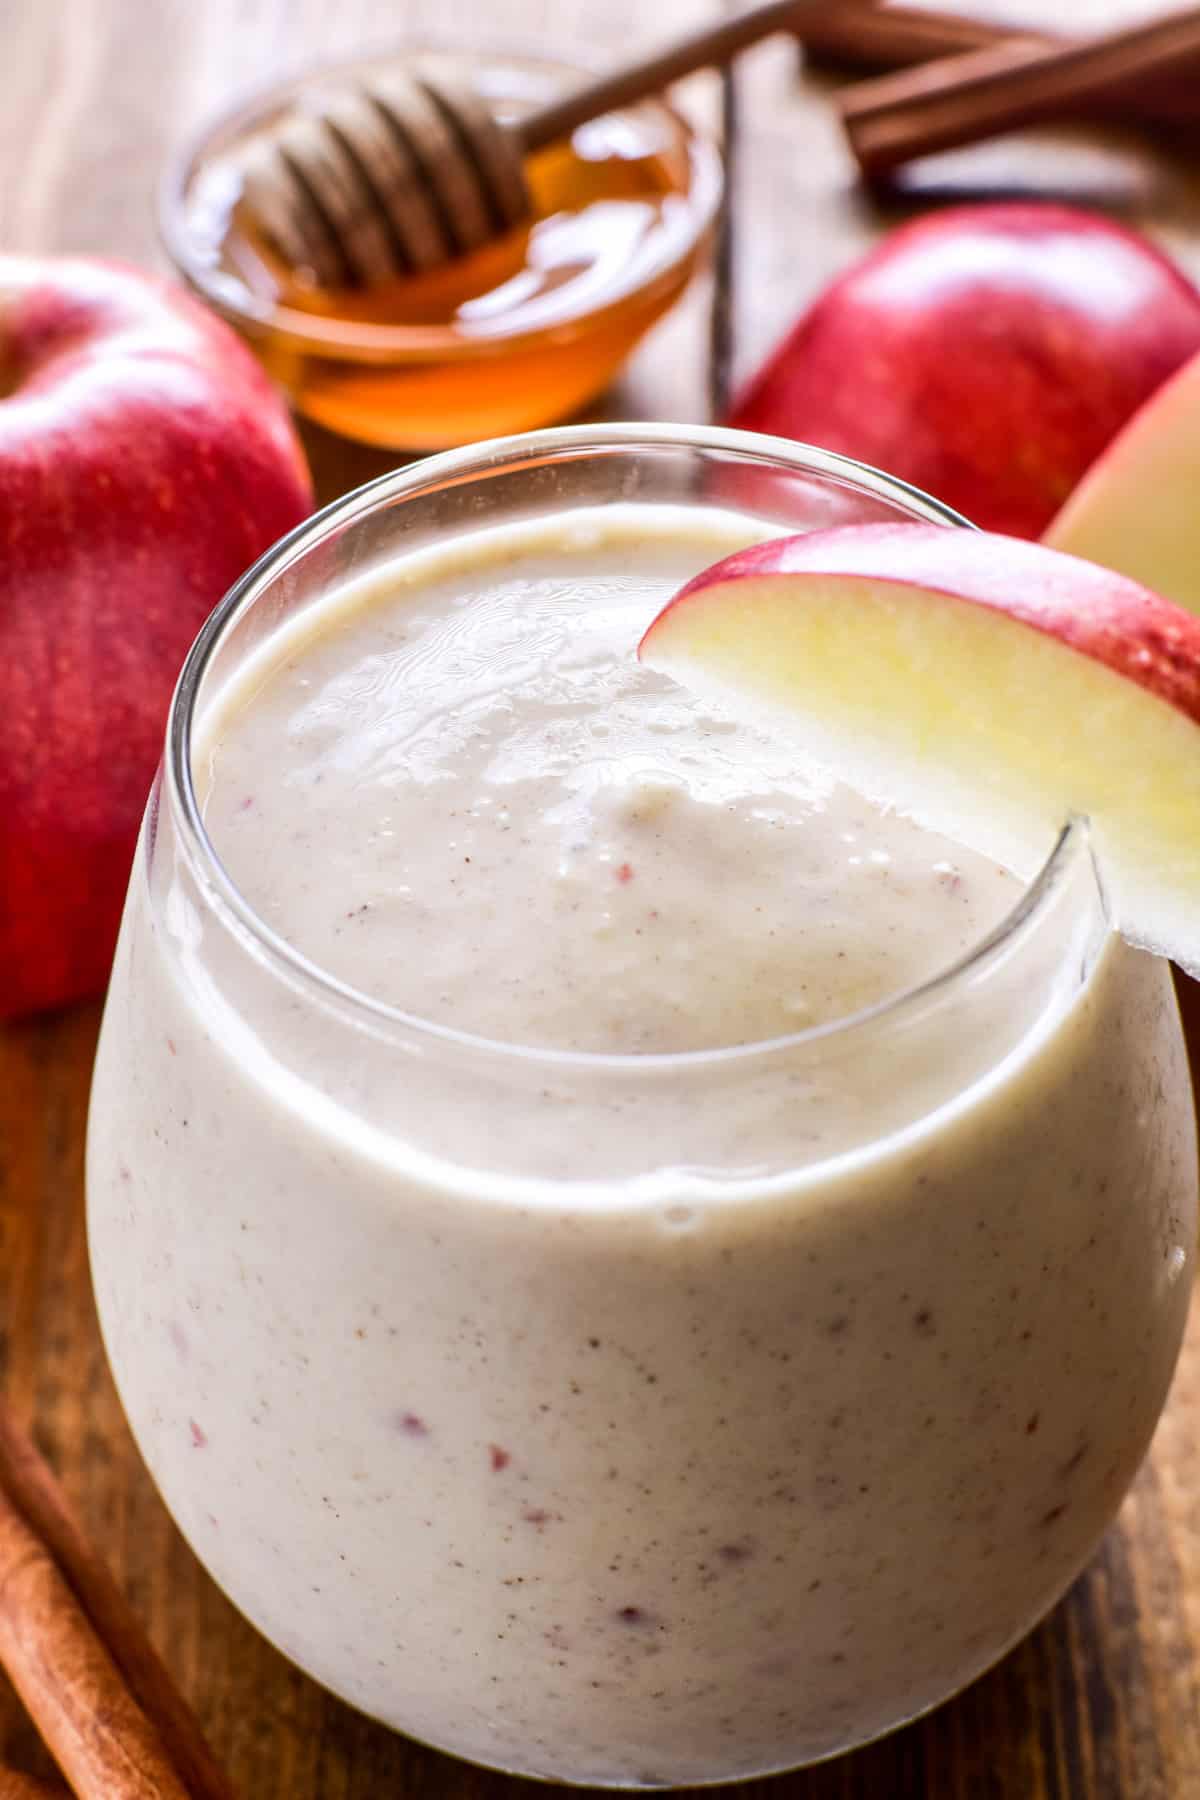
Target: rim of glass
pixel 459 467
pixel 341 337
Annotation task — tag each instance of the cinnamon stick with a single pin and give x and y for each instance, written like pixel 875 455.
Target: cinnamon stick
pixel 897 37
pixel 96 1732
pixel 1013 82
pixel 77 1653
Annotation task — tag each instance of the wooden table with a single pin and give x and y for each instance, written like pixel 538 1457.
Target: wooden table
pixel 1101 1703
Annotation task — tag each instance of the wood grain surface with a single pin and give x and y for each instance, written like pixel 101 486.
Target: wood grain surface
pixel 1103 1701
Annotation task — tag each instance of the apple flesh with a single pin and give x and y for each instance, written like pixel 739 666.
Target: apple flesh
pixel 145 461
pixel 1138 507
pixel 988 686
pixel 986 354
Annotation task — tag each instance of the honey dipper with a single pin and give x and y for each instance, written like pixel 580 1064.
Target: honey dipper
pixel 398 176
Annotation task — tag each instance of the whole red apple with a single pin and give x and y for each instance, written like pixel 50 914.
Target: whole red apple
pixel 986 354
pixel 145 461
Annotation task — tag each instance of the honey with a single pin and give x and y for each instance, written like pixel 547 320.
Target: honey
pixel 519 334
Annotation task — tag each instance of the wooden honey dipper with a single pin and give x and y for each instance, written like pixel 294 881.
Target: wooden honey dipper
pixel 399 176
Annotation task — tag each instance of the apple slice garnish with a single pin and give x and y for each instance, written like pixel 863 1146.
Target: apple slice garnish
pixel 1135 509
pixel 989 686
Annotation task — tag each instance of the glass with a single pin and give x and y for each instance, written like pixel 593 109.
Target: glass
pixel 523 332
pixel 710 1464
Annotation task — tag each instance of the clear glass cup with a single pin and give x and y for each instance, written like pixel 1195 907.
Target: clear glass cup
pixel 709 1464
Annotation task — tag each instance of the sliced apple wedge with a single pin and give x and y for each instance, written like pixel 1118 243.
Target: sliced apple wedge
pixel 987 685
pixel 1136 508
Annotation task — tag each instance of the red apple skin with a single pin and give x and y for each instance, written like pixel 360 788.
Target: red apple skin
pixel 1115 621
pixel 145 461
pixel 986 354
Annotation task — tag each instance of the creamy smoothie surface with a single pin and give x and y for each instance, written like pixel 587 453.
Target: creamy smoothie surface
pixel 454 787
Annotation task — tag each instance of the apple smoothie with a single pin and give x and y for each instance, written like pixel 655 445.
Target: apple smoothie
pixel 593 1280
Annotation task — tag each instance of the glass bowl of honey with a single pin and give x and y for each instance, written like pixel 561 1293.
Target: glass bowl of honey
pixel 520 333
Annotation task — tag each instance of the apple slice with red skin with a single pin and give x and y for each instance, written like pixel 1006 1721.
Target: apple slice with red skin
pixel 1138 507
pixel 987 685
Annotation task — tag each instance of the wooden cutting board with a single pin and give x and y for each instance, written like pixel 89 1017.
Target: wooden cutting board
pixel 1101 1703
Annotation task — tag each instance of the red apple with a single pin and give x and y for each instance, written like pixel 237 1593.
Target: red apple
pixel 986 354
pixel 145 461
pixel 990 686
